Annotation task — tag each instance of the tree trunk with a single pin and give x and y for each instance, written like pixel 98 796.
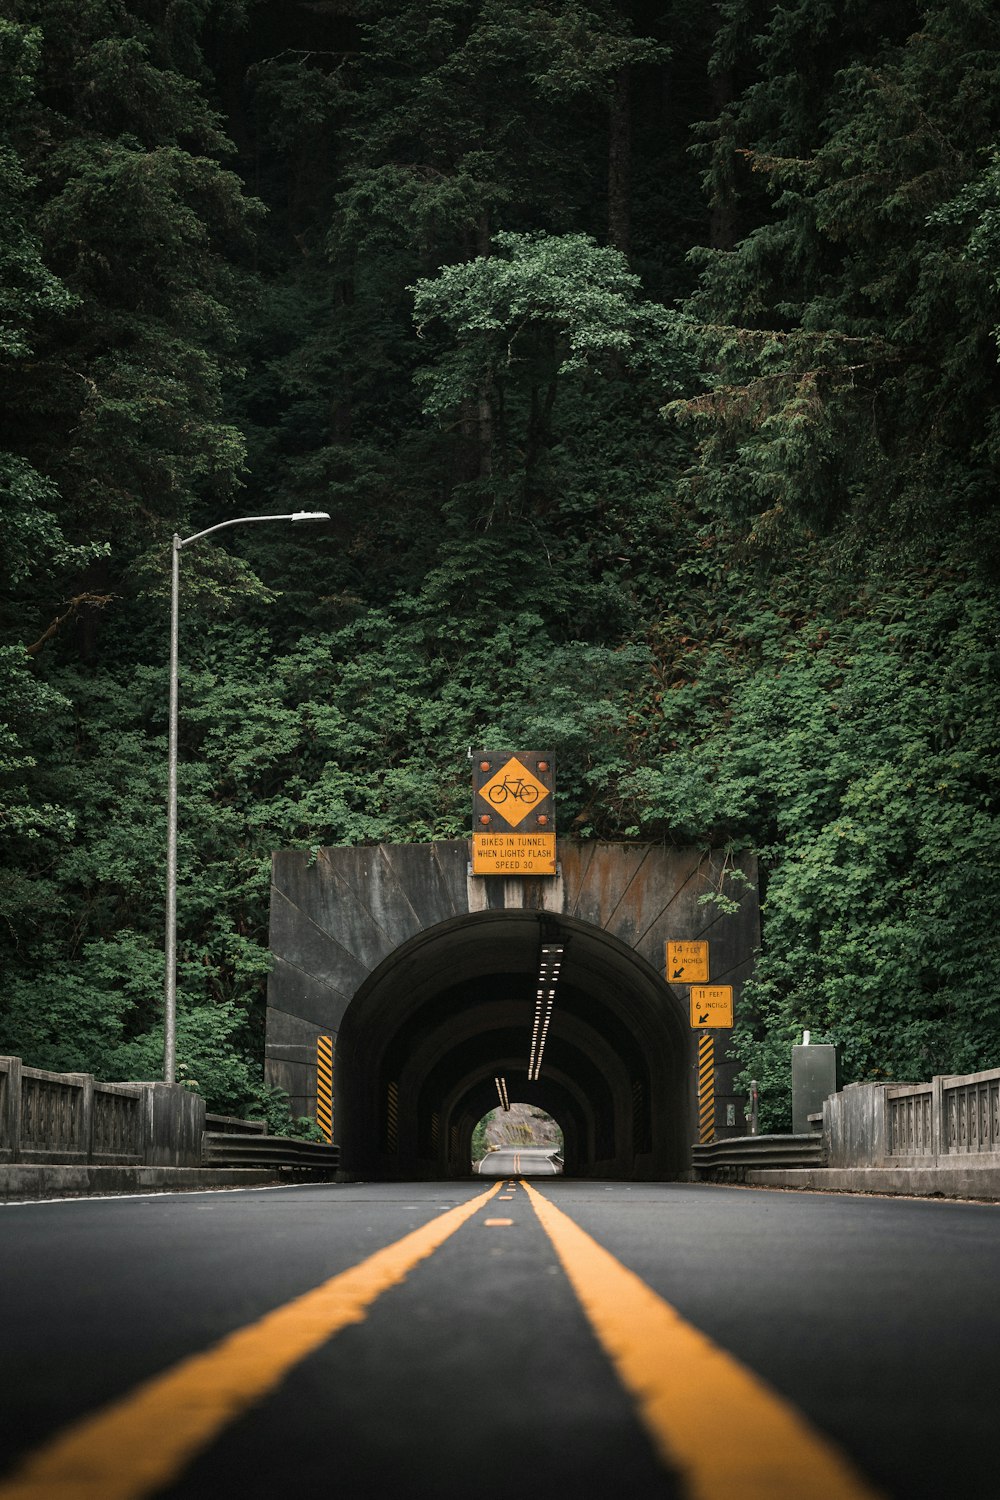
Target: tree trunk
pixel 620 163
pixel 722 225
pixel 485 432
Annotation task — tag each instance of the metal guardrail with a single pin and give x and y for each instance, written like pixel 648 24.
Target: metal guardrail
pixel 233 1125
pixel 220 1149
pixel 730 1160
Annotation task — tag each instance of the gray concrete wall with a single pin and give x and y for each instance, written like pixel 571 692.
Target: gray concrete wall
pixel 21 1181
pixel 10 1108
pixel 951 1178
pixel 174 1125
pixel 854 1126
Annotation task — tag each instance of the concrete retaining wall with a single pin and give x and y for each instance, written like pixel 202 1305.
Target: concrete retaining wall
pixel 174 1122
pixel 854 1126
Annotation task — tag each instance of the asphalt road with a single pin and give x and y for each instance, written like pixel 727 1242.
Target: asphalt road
pixel 518 1161
pixel 853 1344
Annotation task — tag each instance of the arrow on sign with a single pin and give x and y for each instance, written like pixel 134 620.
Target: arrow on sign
pixel 703 1019
pixel 679 972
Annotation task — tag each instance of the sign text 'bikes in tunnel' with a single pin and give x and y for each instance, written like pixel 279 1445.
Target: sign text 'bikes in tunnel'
pixel 513 819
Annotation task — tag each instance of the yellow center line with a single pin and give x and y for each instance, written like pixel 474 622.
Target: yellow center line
pixel 142 1442
pixel 711 1419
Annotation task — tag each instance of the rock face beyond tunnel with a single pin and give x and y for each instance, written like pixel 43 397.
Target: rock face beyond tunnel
pixel 425 976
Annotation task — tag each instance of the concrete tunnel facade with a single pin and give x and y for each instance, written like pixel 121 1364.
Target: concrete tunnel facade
pixel 425 977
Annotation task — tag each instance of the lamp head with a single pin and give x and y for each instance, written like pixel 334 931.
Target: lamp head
pixel 310 515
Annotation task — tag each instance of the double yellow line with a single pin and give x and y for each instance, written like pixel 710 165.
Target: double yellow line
pixel 752 1444
pixel 758 1447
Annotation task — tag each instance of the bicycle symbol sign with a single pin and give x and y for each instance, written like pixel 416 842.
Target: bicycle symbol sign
pixel 515 787
pixel 512 792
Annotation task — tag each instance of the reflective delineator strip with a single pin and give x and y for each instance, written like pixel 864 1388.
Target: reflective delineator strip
pixel 706 1088
pixel 713 1422
pixel 324 1086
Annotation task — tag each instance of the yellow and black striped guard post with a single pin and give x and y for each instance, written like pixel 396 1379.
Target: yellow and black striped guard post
pixel 392 1118
pixel 324 1086
pixel 706 1088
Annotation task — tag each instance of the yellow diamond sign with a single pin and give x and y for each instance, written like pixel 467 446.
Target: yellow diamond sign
pixel 513 792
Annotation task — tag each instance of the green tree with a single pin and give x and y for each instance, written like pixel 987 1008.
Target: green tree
pixel 479 1145
pixel 540 314
pixel 852 743
pixel 118 333
pixel 851 373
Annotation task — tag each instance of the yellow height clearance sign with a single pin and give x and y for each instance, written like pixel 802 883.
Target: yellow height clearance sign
pixel 711 1006
pixel 687 963
pixel 513 814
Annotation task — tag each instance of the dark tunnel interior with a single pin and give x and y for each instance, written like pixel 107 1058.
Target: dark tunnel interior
pixel 425 1037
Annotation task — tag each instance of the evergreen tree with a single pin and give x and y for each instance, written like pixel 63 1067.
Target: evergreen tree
pixel 854 375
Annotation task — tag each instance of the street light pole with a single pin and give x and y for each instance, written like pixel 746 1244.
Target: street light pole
pixel 170 944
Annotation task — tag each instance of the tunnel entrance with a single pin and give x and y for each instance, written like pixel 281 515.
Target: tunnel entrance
pixel 432 983
pixel 425 1038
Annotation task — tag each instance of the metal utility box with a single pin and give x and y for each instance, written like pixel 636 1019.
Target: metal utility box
pixel 815 1076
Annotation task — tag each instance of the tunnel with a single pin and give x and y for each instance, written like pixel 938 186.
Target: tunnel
pixel 426 983
pixel 426 1036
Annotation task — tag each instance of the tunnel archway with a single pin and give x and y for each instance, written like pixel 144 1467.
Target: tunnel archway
pixel 421 978
pixel 425 1036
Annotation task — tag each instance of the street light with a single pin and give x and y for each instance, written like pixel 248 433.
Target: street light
pixel 170 946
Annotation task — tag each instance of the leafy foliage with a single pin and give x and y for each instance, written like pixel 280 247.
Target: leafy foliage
pixel 857 755
pixel 766 621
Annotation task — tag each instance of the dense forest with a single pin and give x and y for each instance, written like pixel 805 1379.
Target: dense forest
pixel 645 359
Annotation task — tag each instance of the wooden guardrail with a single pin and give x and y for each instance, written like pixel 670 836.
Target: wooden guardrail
pixel 953 1118
pixel 954 1114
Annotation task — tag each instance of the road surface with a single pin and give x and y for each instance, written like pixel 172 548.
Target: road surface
pixel 519 1161
pixel 499 1339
